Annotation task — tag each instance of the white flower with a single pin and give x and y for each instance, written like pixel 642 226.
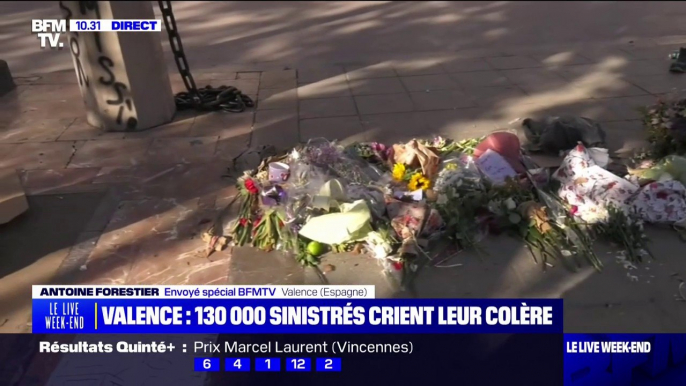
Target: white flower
pixel 442 199
pixel 566 253
pixel 510 204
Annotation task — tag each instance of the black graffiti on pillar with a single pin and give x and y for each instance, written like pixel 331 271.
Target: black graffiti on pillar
pixel 76 51
pixel 75 48
pixel 120 88
pixel 67 12
pixel 106 63
pixel 85 7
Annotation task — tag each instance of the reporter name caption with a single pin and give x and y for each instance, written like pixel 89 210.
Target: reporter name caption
pixel 278 309
pixel 203 347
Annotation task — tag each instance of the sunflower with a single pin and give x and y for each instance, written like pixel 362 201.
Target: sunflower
pixel 418 181
pixel 398 172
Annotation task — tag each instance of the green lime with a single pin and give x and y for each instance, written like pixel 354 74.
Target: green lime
pixel 315 248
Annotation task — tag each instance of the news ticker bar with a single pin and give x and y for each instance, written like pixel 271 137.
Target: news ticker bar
pixel 278 309
pixel 588 359
pixel 110 25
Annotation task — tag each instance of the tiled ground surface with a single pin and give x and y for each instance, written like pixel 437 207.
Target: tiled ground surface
pixel 384 71
pixel 163 185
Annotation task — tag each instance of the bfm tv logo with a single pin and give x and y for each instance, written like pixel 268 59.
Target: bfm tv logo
pixel 49 31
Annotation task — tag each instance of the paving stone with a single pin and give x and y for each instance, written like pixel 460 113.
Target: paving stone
pixel 510 62
pixel 376 86
pixel 378 70
pixel 387 103
pixel 553 88
pixel 391 128
pixel 79 130
pixel 180 126
pixel 179 182
pixel 350 269
pixel 103 213
pixel 39 155
pixel 221 124
pixel 53 181
pixel 458 124
pixel 418 67
pixel 429 82
pixel 597 109
pixel 78 255
pixel 494 96
pixel 559 58
pixel 181 150
pixel 278 79
pixel 270 99
pixel 645 67
pixel 56 77
pixel 466 65
pixel 532 76
pixel 124 152
pixel 34 130
pixel 230 147
pixel 317 74
pixel 481 79
pixel 248 75
pixel 276 127
pixel 69 93
pixel 327 107
pixel 346 129
pixel 660 84
pixel 623 137
pixel 496 277
pixel 614 88
pixel 326 88
pixel 255 267
pixel 245 86
pixel 441 100
pixel 628 108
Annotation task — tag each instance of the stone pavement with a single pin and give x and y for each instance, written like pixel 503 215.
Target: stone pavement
pixel 143 198
pixel 157 189
pixel 129 207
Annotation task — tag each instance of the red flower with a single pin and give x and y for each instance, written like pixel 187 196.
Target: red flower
pixel 398 265
pixel 250 186
pixel 243 221
pixel 574 210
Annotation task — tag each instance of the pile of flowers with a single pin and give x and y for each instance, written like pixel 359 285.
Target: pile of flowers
pixel 390 200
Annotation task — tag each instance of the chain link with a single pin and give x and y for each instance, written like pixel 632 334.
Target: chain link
pixel 208 98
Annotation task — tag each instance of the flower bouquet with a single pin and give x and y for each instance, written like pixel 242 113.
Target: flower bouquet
pixel 249 204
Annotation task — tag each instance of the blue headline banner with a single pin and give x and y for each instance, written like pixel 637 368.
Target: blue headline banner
pixel 297 316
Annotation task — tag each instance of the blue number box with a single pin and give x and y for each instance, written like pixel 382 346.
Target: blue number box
pixel 237 364
pixel 206 364
pixel 328 364
pixel 267 364
pixel 298 364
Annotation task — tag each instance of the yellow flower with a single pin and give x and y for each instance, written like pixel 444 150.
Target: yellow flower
pixel 451 166
pixel 398 172
pixel 418 181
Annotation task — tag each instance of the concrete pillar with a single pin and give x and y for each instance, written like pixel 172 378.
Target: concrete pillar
pixel 123 75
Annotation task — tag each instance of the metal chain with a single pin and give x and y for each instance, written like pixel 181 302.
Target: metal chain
pixel 224 98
